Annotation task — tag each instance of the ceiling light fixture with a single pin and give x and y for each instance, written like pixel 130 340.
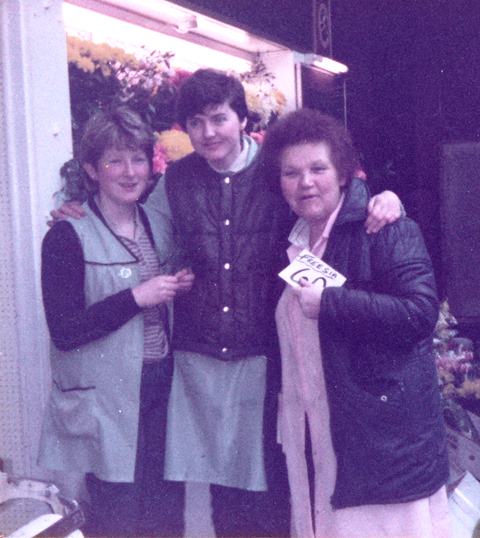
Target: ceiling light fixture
pixel 328 65
pixel 186 24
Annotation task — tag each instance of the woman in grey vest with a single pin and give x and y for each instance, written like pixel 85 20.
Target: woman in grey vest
pixel 106 288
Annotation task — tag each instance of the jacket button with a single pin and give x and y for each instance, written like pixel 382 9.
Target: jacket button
pixel 226 266
pixel 225 308
pixel 226 181
pixel 384 398
pixel 226 222
pixel 224 349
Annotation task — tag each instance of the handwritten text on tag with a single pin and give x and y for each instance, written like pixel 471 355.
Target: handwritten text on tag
pixel 307 265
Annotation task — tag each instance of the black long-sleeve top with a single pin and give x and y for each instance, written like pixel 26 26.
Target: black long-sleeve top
pixel 70 321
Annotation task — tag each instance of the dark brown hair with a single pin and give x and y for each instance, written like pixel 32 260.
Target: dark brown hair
pixel 305 126
pixel 208 87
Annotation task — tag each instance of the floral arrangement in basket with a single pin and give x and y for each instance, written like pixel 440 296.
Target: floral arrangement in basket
pixel 100 75
pixel 458 370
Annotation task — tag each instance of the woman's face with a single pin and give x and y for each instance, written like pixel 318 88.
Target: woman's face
pixel 122 175
pixel 216 134
pixel 309 181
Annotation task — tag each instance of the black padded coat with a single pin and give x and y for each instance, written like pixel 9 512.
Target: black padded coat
pixel 376 341
pixel 230 227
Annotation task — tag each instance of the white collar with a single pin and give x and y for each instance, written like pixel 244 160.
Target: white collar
pixel 300 234
pixel 241 161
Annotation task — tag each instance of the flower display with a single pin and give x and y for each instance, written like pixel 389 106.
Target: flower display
pixel 446 323
pixel 458 370
pixel 160 159
pixel 470 388
pixel 176 143
pixel 150 73
pixel 100 75
pixel 265 102
pixel 89 56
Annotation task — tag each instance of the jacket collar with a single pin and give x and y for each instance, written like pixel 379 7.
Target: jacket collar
pixel 248 158
pixel 354 208
pixel 247 154
pixel 300 235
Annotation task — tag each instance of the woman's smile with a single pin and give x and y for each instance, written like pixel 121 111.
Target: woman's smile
pixel 309 181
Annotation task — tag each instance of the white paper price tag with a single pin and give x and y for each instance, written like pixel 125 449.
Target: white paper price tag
pixel 307 265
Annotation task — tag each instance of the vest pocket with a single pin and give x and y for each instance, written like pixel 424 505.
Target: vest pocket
pixel 73 388
pixel 74 411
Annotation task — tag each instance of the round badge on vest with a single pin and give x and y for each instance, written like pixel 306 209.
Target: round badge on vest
pixel 125 272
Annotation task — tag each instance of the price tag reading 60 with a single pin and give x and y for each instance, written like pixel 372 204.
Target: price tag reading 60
pixel 309 276
pixel 308 266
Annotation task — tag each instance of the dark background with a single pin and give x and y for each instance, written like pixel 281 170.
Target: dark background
pixel 413 85
pixel 288 22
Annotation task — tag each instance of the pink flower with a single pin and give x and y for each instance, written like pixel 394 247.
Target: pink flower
pixel 258 136
pixel 360 173
pixel 179 76
pixel 159 162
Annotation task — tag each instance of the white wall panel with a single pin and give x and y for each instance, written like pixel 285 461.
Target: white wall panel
pixel 35 139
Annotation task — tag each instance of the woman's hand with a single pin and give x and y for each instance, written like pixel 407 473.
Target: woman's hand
pixel 384 208
pixel 309 297
pixel 185 280
pixel 67 209
pixel 159 289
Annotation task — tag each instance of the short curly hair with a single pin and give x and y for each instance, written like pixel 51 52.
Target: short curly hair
pixel 115 127
pixel 306 126
pixel 209 87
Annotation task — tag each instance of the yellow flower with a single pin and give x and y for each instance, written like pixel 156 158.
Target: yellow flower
pixel 86 64
pixel 106 71
pixel 281 100
pixel 176 144
pixel 73 49
pixel 101 55
pixel 253 99
pixel 469 388
pixel 449 390
pixel 445 375
pixel 263 99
